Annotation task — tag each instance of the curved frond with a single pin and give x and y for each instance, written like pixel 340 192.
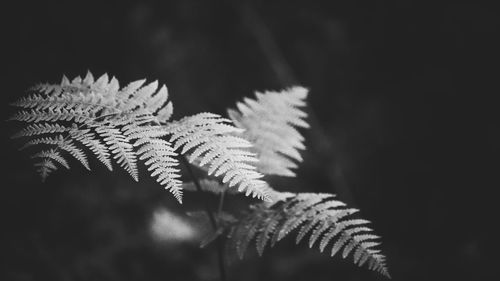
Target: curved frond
pixel 319 216
pixel 207 137
pixel 112 123
pixel 270 122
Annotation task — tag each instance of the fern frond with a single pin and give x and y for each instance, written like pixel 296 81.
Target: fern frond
pixel 270 123
pixel 316 215
pixel 123 125
pixel 208 138
pixel 97 98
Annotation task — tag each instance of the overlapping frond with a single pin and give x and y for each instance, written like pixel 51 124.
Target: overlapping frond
pixel 209 140
pixel 319 216
pixel 270 122
pixel 115 125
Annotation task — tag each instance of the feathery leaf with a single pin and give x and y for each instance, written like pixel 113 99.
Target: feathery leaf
pixel 208 138
pixel 270 123
pixel 91 113
pixel 318 215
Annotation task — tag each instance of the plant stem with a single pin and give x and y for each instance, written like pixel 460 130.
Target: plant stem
pixel 213 222
pixel 221 203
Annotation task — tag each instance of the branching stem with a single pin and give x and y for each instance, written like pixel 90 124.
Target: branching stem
pixel 213 221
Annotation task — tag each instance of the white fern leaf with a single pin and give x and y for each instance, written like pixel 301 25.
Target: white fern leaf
pixel 318 215
pixel 207 137
pixel 271 123
pixel 95 114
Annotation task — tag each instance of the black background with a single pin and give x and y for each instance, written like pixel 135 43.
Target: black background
pixel 404 127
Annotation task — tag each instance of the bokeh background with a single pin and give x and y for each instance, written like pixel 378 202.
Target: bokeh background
pixel 404 127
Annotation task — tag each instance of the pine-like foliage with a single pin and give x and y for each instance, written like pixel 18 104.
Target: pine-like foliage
pixel 112 123
pixel 270 124
pixel 319 216
pixel 210 141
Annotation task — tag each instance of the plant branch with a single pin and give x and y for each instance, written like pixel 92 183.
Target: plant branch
pixel 213 221
pixel 199 189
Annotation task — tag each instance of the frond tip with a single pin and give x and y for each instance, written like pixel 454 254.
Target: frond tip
pixel 270 122
pixel 319 216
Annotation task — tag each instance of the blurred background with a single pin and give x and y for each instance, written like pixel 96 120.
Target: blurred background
pixel 404 127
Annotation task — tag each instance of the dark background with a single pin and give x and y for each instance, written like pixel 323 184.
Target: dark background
pixel 404 127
